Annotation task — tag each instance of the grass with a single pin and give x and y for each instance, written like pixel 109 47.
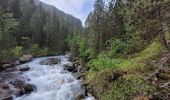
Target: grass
pixel 128 85
pixel 138 63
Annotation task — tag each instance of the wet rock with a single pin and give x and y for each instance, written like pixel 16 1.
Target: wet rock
pixel 5 86
pixel 25 59
pixel 88 89
pixel 71 68
pixel 50 61
pixel 5 92
pixel 19 92
pixel 29 88
pixel 17 83
pixel 8 98
pixel 78 76
pixel 11 70
pixel 24 68
pixel 80 97
pixel 6 66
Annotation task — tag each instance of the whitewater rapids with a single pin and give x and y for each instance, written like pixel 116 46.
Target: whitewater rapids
pixel 52 81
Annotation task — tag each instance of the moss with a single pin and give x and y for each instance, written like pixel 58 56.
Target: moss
pixel 130 84
pixel 138 63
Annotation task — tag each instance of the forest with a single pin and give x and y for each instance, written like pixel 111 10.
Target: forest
pixel 123 47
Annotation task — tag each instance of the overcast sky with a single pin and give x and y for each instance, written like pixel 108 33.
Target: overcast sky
pixel 77 8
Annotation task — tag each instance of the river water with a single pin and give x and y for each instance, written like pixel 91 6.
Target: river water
pixel 52 82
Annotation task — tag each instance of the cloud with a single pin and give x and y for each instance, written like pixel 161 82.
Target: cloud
pixel 77 8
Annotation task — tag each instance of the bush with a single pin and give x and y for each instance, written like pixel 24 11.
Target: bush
pixel 34 48
pixel 101 63
pixel 11 53
pixel 118 47
pixel 17 51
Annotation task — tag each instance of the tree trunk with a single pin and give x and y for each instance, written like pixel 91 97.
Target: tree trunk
pixel 161 33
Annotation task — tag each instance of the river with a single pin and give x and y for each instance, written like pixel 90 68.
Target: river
pixel 52 81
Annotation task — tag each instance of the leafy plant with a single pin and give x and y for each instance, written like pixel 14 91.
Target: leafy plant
pixel 101 63
pixel 118 47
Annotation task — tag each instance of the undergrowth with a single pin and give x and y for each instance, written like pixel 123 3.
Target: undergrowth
pixel 128 85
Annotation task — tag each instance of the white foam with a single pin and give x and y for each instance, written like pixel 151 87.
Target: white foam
pixel 51 82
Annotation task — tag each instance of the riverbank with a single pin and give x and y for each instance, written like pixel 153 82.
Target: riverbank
pixel 129 78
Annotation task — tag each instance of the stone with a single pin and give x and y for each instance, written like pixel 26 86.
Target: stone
pixel 17 83
pixel 29 88
pixel 5 86
pixel 19 92
pixel 25 59
pixel 50 61
pixel 70 68
pixel 80 97
pixel 8 98
pixel 24 68
pixel 6 66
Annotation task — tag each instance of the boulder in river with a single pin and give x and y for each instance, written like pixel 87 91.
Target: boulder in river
pixel 23 68
pixel 5 92
pixel 6 66
pixel 10 70
pixel 80 97
pixel 17 83
pixel 50 61
pixel 25 59
pixel 29 88
pixel 70 67
pixel 8 98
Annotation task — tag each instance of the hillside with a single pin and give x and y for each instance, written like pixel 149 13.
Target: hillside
pixel 36 25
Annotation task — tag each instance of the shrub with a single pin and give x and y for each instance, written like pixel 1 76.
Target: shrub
pixel 17 52
pixel 34 48
pixel 101 63
pixel 118 47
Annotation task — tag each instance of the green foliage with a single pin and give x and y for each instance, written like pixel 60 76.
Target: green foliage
pixel 34 48
pixel 79 48
pixel 8 25
pixel 126 88
pixel 101 63
pixel 17 52
pixel 13 53
pixel 118 47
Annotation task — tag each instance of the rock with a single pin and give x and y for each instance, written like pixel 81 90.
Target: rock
pixel 78 76
pixel 5 86
pixel 25 59
pixel 5 66
pixel 29 88
pixel 88 89
pixel 18 83
pixel 24 68
pixel 71 68
pixel 19 92
pixel 10 70
pixel 8 98
pixel 50 61
pixel 5 92
pixel 80 97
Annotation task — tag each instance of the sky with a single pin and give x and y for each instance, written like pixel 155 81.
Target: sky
pixel 77 8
